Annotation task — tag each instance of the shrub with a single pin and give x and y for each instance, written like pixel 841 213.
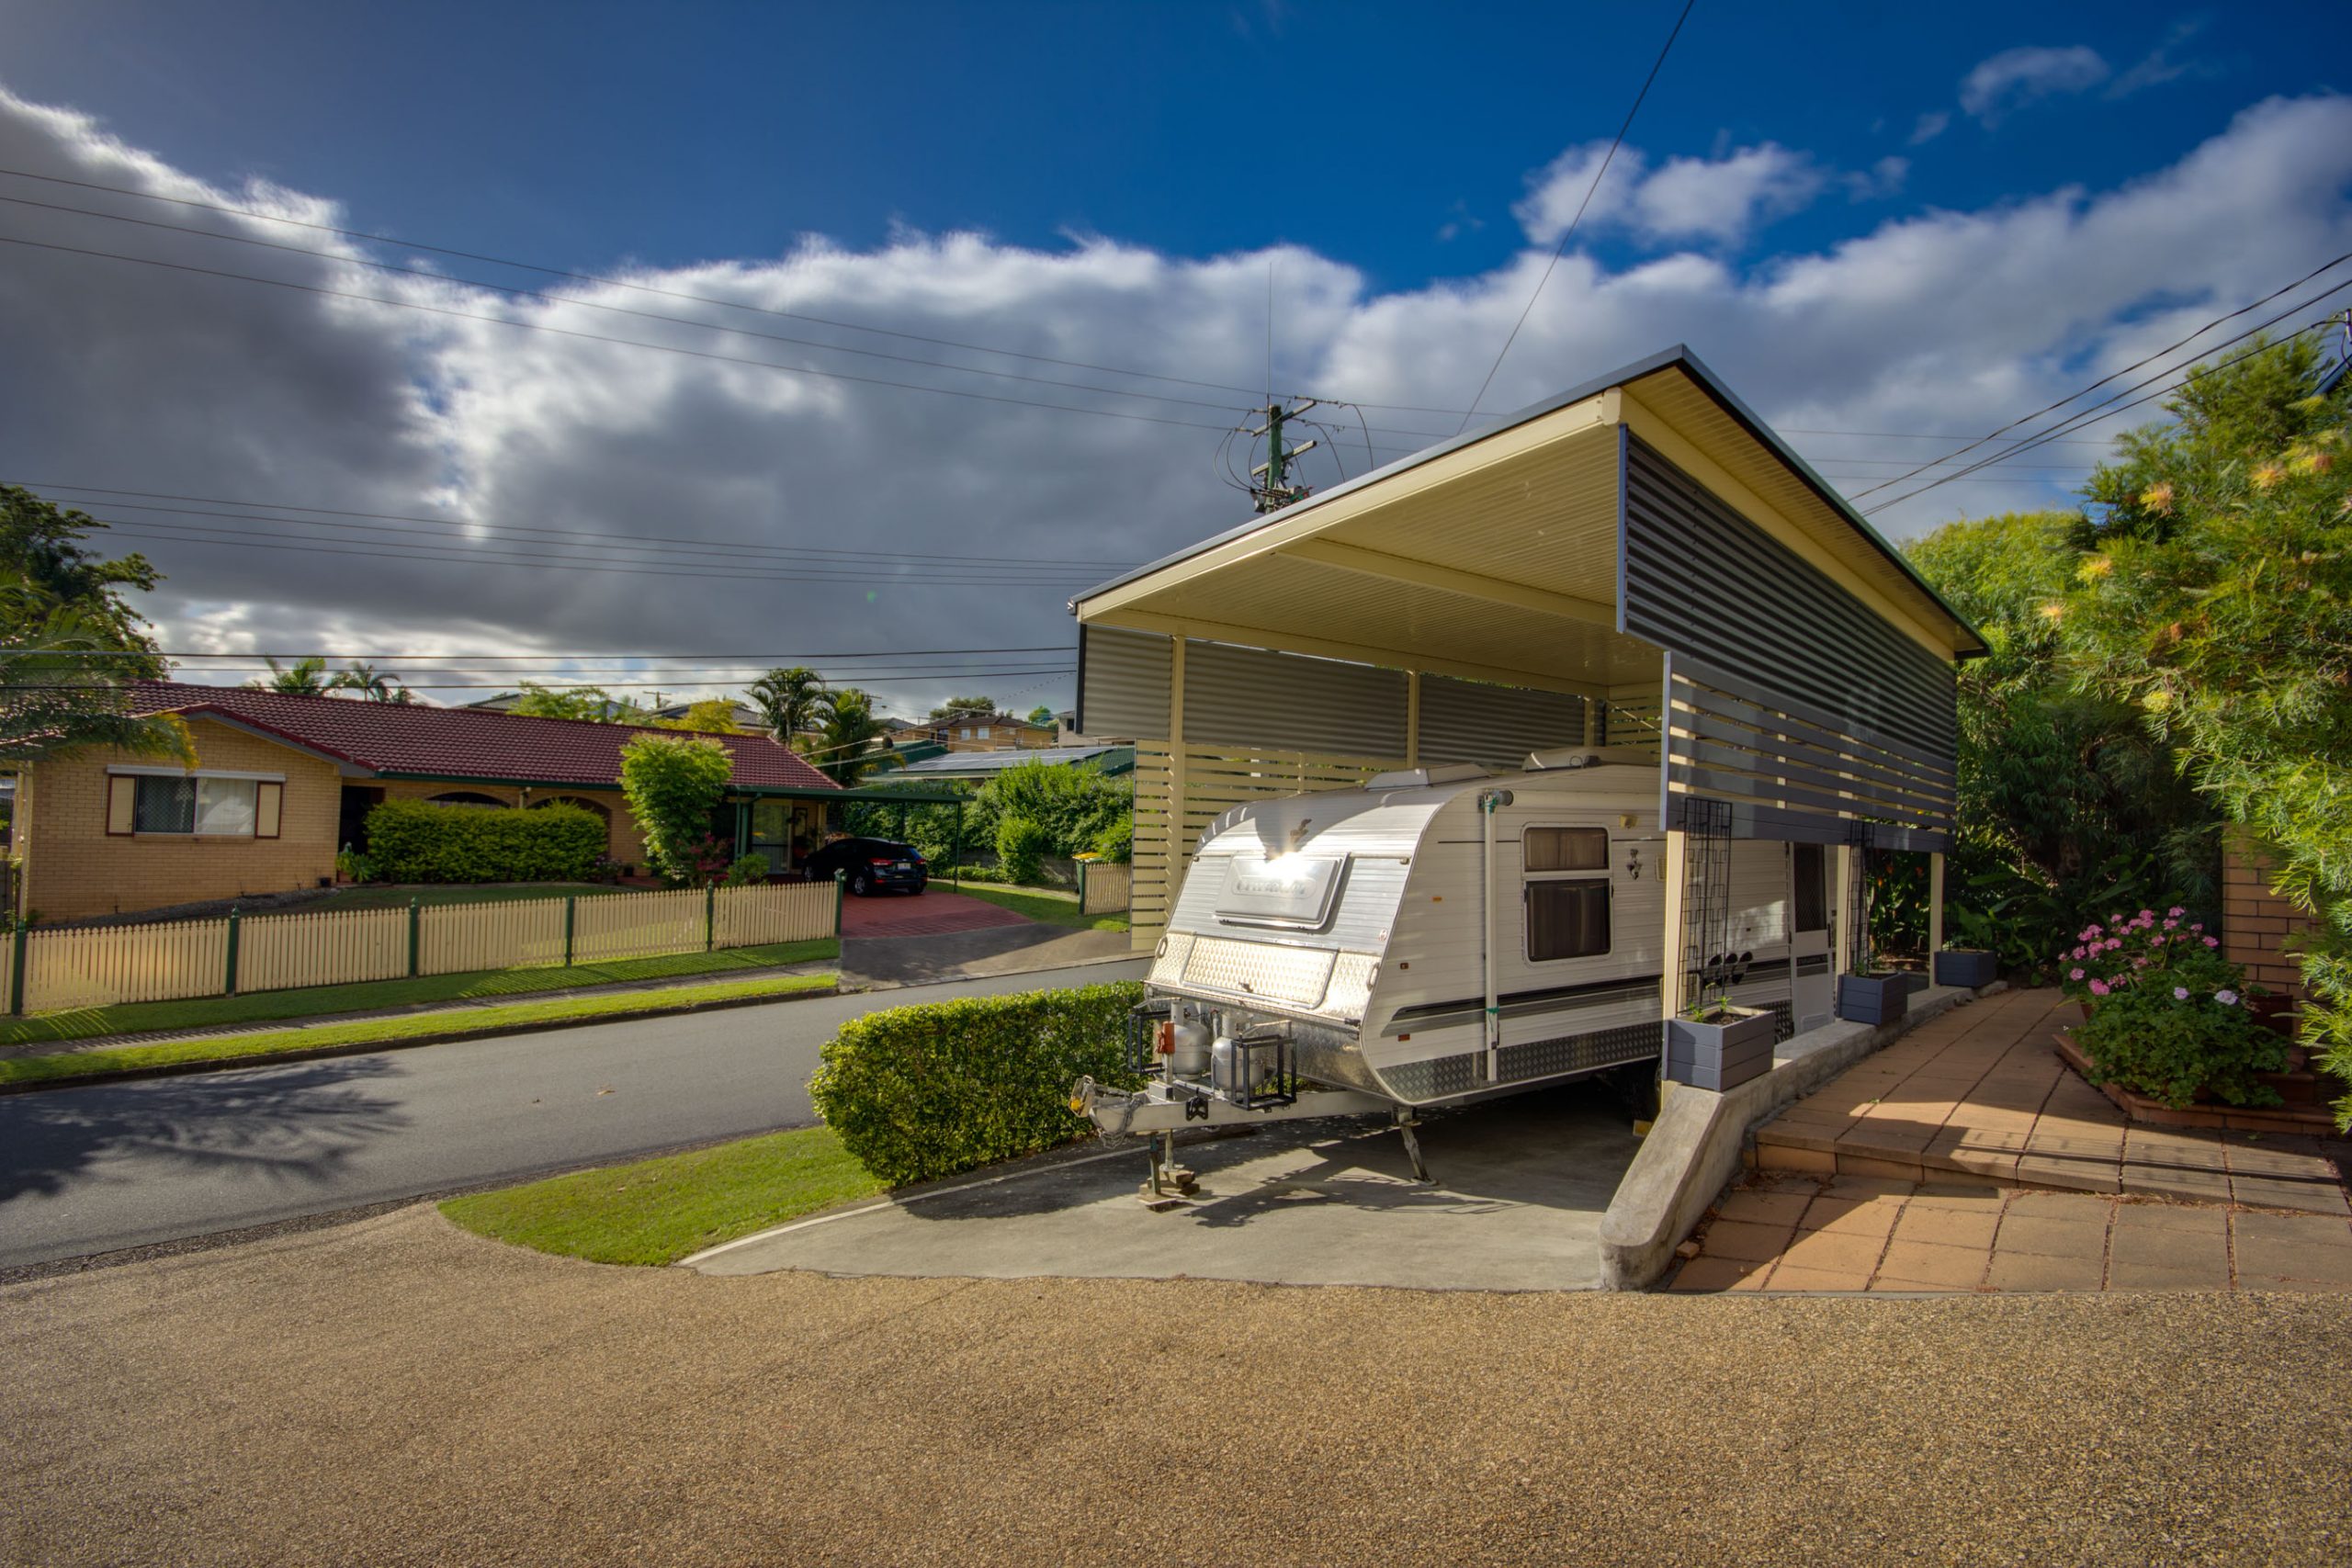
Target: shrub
pixel 1073 804
pixel 747 870
pixel 1021 847
pixel 921 1092
pixel 416 840
pixel 1116 843
pixel 2169 1013
pixel 672 784
pixel 979 874
pixel 353 866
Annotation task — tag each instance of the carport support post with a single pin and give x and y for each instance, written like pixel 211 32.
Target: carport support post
pixel 1669 985
pixel 1935 911
pixel 1844 952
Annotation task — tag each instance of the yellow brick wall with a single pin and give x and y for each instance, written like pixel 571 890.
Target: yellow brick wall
pixel 72 868
pixel 2257 922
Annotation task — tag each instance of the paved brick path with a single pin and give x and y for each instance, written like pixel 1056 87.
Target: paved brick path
pixel 1981 1094
pixel 1968 1156
pixel 1795 1233
pixel 932 912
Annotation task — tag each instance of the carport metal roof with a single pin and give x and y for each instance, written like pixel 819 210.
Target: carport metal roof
pixel 1497 555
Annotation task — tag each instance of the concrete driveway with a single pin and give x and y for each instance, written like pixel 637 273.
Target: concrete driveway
pixel 1521 1184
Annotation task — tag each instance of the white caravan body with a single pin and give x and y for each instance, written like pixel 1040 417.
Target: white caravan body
pixel 1353 924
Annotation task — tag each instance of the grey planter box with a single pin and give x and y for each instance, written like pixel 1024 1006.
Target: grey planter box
pixel 1875 999
pixel 1963 967
pixel 1719 1055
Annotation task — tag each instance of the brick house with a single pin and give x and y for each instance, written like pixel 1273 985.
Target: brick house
pixel 991 732
pixel 283 781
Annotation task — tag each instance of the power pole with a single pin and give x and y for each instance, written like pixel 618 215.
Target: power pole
pixel 1273 491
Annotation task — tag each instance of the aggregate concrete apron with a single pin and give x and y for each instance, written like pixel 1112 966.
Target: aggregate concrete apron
pixel 1521 1187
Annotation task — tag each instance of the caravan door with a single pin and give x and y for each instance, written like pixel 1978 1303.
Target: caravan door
pixel 1811 986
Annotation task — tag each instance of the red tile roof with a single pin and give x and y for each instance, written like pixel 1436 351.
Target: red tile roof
pixel 460 744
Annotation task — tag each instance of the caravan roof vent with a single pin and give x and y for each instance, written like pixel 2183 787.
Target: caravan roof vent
pixel 1422 778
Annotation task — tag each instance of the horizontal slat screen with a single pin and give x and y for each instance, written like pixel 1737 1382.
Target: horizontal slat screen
pixel 1469 721
pixel 1216 779
pixel 1122 682
pixel 1789 770
pixel 1701 581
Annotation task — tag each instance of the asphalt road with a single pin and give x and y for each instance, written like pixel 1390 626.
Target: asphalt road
pixel 92 1170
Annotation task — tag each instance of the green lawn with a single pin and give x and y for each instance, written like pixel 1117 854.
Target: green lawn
pixel 373 895
pixel 659 1211
pixel 141 1018
pixel 1042 904
pixel 391 1031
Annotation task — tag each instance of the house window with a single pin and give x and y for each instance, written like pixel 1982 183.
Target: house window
pixel 984 732
pixel 207 807
pixel 1567 913
pixel 968 732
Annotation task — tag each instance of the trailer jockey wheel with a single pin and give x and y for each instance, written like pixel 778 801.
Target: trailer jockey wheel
pixel 1169 1184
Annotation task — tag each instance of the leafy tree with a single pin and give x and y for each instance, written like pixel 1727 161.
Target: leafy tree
pixel 371 684
pixel 306 677
pixel 846 736
pixel 59 701
pixel 712 716
pixel 1042 716
pixel 70 640
pixel 2217 600
pixel 788 701
pixel 1072 806
pixel 962 707
pixel 44 561
pixel 672 784
pixel 575 702
pixel 2066 801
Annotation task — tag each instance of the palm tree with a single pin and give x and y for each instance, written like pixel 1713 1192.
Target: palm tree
pixel 790 702
pixel 371 684
pixel 846 736
pixel 303 677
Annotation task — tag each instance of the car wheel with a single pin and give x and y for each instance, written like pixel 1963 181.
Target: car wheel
pixel 859 885
pixel 918 887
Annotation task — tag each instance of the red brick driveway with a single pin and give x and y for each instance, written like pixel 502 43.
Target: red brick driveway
pixel 932 912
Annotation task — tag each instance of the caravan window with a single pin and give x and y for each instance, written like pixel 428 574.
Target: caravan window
pixel 1567 913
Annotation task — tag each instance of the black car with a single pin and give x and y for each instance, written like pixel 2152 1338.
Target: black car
pixel 869 865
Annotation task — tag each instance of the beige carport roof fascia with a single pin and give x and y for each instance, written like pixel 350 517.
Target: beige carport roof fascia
pixel 1673 402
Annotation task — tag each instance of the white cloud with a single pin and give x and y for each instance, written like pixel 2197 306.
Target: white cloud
pixel 1929 126
pixel 155 380
pixel 2015 77
pixel 2158 66
pixel 1722 199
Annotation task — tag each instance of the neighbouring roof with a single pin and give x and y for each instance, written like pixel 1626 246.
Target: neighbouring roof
pixel 412 739
pixel 1113 759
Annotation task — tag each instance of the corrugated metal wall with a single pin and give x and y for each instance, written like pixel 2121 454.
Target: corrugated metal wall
pixel 1700 579
pixel 1467 721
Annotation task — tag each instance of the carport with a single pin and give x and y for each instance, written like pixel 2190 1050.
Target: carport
pixel 1636 563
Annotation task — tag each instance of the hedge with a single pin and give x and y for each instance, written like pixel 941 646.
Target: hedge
pixel 416 840
pixel 921 1092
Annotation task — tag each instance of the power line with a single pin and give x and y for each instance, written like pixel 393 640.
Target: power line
pixel 2136 364
pixel 558 300
pixel 1560 249
pixel 601 337
pixel 609 281
pixel 2088 416
pixel 771 658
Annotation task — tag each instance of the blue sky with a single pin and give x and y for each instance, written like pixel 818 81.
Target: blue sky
pixel 678 132
pixel 1886 226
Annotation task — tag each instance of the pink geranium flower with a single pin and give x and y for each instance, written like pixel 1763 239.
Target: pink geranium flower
pixel 2099 987
pixel 2176 911
pixel 2212 941
pixel 2172 925
pixel 2073 974
pixel 2139 964
pixel 2227 998
pixel 2196 925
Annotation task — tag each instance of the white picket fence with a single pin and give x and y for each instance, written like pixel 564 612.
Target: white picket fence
pixel 101 966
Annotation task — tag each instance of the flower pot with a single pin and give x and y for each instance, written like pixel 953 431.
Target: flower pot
pixel 1719 1055
pixel 1881 998
pixel 1963 967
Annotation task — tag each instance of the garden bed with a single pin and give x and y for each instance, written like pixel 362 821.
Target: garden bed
pixel 2306 1095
